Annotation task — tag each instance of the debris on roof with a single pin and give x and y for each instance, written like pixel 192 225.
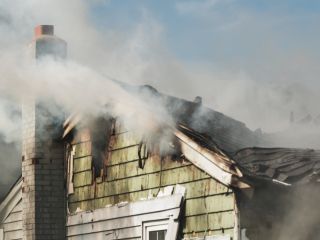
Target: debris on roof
pixel 206 156
pixel 229 134
pixel 288 165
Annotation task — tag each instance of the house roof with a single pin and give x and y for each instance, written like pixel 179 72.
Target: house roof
pixel 220 133
pixel 217 133
pixel 287 165
pixel 229 134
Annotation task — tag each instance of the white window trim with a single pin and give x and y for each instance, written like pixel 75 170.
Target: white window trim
pixel 154 226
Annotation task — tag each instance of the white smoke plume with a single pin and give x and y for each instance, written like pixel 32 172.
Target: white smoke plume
pixel 75 85
pixel 138 55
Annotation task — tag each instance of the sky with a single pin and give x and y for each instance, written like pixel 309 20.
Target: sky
pixel 265 53
pixel 219 31
pixel 210 30
pixel 256 61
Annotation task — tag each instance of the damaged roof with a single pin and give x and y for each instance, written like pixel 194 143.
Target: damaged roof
pixel 204 154
pixel 252 151
pixel 229 134
pixel 287 165
pixel 228 137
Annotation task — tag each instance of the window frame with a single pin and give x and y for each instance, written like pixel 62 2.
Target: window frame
pixel 154 226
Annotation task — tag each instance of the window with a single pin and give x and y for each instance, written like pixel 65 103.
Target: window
pixel 155 230
pixel 156 234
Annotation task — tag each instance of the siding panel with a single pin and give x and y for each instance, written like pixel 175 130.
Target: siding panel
pixel 131 169
pixel 13 235
pixel 82 149
pixel 82 179
pixel 82 193
pixel 124 155
pixel 126 139
pixel 209 204
pixel 82 164
pixel 12 225
pixel 216 203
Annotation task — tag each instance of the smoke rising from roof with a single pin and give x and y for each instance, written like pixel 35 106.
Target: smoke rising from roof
pixel 139 55
pixel 74 85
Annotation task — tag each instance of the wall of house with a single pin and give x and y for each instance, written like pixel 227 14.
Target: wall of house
pixel 126 220
pixel 12 225
pixel 209 206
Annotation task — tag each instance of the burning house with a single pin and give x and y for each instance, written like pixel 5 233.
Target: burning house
pixel 98 178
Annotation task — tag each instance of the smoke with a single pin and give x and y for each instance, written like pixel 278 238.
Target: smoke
pixel 301 221
pixel 282 213
pixel 78 84
pixel 138 54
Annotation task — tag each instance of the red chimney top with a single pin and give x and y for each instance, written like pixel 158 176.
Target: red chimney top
pixel 43 30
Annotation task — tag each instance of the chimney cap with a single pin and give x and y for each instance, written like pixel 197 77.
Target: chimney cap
pixel 43 30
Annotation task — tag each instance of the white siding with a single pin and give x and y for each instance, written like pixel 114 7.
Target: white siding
pixel 122 222
pixel 12 225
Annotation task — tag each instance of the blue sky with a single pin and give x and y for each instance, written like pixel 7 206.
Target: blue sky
pixel 253 60
pixel 213 30
pixel 264 54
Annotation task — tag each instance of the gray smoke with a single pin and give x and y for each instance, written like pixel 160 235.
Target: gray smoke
pixel 258 93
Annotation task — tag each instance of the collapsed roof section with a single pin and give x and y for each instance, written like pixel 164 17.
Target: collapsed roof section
pixel 287 165
pixel 209 158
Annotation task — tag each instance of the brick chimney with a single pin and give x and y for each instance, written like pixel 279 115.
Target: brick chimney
pixel 43 192
pixel 46 44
